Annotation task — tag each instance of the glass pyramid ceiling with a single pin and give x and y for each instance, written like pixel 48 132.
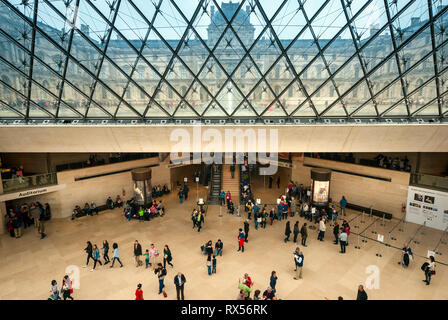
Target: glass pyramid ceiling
pixel 209 59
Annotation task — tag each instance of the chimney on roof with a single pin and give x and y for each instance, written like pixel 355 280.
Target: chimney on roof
pixel 374 29
pixel 415 21
pixel 212 11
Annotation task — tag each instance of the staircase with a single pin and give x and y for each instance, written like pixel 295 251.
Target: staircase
pixel 232 185
pixel 215 185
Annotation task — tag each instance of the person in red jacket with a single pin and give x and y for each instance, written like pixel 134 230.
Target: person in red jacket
pixel 139 292
pixel 241 240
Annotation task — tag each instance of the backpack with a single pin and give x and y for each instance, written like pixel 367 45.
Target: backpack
pixel 424 266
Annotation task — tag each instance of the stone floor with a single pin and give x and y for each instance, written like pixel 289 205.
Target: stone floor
pixel 29 264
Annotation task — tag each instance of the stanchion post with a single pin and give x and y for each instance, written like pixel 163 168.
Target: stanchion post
pixel 374 228
pixel 357 223
pixel 382 222
pixel 362 218
pixel 357 246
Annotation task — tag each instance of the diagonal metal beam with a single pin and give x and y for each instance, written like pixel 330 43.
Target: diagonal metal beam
pixel 33 46
pixel 172 52
pixel 434 55
pixel 69 46
pixel 115 7
pixel 358 53
pixel 169 65
pixel 397 58
pixel 247 53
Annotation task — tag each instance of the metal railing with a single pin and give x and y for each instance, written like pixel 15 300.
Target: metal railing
pixel 23 183
pixel 429 180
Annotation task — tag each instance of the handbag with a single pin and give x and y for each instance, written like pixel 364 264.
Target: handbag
pixel 433 272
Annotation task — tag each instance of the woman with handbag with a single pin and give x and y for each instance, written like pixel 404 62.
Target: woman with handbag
pixel 430 270
pixel 96 257
pixel 167 257
pixel 67 289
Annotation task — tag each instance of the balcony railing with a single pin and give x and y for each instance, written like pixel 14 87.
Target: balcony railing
pixel 429 180
pixel 23 183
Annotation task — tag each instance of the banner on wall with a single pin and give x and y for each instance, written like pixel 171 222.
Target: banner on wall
pixel 427 205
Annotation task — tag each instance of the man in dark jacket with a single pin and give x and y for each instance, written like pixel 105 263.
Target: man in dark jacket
pixel 296 231
pixel 137 253
pixel 304 234
pixel 362 295
pixel 246 230
pixel 179 282
pixel 336 232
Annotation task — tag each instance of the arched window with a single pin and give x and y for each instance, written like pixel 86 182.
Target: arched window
pixel 331 91
pixel 290 93
pixel 142 93
pixel 184 90
pixel 170 93
pixel 420 88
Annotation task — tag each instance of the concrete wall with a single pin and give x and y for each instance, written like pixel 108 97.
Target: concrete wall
pixel 96 189
pixel 382 195
pixel 291 138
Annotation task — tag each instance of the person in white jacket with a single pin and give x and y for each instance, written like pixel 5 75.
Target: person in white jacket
pixel 322 229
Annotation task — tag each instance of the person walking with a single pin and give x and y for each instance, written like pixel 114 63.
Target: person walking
pixel 304 234
pixel 186 190
pixel 270 182
pixel 106 252
pixel 228 198
pixel 137 253
pixel 89 251
pixel 407 255
pixel 41 228
pixel 272 215
pixel 273 280
pixel 278 182
pixel 322 229
pixel 167 257
pixel 241 237
pixel 298 258
pixel 296 231
pixel 222 197
pixel 194 216
pixel 181 195
pixel 362 294
pixel 179 282
pixel 200 221
pixel 246 230
pixel 336 232
pixel 160 271
pixel 153 254
pixel 139 292
pixel 429 270
pixel 214 264
pixel 343 204
pixel 116 256
pixel 232 170
pixel 287 231
pixel 96 257
pixel 67 288
pixel 209 265
pixel 343 240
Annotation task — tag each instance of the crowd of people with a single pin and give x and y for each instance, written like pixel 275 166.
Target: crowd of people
pixel 25 216
pixel 132 210
pixel 383 161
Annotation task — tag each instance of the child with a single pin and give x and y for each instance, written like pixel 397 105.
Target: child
pixel 209 265
pixel 241 237
pixel 214 264
pixel 146 254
